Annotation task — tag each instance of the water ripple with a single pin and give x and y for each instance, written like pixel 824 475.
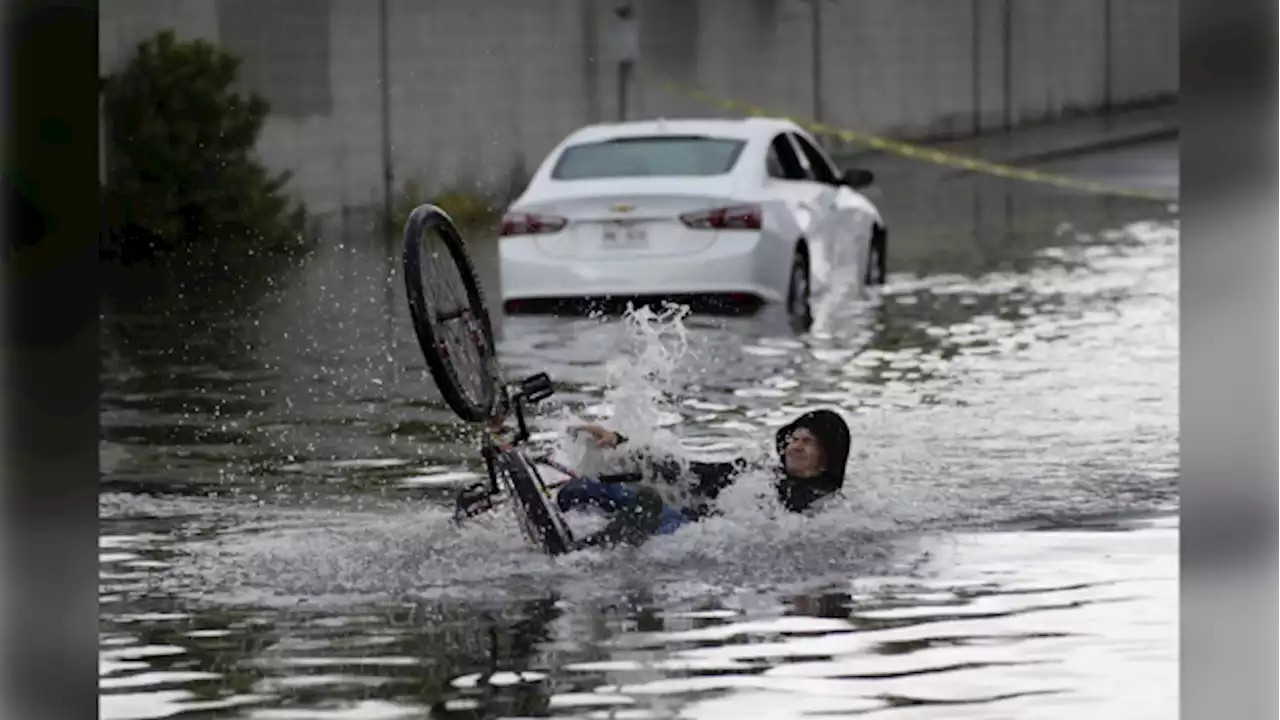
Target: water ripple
pixel 277 541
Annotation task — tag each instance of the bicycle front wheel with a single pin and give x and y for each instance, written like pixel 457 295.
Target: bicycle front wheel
pixel 450 317
pixel 539 517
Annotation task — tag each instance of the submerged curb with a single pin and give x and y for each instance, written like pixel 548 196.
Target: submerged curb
pixel 1099 145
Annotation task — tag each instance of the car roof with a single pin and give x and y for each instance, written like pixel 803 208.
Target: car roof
pixel 742 128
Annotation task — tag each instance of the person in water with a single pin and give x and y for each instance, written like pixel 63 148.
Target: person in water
pixel 813 450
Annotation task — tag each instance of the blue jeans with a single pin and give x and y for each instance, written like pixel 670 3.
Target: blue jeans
pixel 637 512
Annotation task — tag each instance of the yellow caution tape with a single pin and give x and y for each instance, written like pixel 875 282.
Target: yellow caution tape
pixel 921 153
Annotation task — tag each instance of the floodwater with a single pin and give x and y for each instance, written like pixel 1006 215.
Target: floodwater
pixel 275 539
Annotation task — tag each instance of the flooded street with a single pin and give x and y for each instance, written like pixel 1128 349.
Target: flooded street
pixel 276 488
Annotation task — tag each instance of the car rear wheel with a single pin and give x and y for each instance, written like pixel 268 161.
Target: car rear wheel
pixel 798 289
pixel 877 265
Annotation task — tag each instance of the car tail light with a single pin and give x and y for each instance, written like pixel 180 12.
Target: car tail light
pixel 737 217
pixel 530 224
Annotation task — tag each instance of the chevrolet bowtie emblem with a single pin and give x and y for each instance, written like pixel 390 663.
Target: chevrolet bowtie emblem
pixel 623 208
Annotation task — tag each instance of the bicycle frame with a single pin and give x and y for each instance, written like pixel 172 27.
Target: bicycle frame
pixel 534 388
pixel 499 440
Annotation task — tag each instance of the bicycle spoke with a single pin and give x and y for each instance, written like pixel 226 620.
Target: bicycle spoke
pixel 454 314
pixel 465 347
pixel 442 290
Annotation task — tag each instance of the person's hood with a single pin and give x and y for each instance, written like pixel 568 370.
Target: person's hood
pixel 833 435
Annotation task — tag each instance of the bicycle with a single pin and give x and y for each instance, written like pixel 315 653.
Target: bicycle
pixel 464 364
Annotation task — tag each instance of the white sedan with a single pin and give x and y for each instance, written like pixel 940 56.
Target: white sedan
pixel 742 212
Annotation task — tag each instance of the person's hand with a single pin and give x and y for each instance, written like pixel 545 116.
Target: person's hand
pixel 602 436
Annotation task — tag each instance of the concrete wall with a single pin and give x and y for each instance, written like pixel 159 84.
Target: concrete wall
pixel 481 90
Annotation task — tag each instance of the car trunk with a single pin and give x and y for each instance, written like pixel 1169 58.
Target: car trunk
pixel 631 218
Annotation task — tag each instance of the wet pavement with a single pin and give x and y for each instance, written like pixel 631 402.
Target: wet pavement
pixel 275 541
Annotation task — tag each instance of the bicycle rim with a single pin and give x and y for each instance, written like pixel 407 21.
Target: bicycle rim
pixel 450 317
pixel 540 519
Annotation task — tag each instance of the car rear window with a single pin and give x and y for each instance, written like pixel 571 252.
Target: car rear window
pixel 663 156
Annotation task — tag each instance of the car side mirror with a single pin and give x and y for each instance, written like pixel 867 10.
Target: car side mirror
pixel 857 178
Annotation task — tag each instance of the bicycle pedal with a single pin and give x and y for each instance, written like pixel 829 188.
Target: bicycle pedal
pixel 473 500
pixel 536 388
pixel 473 511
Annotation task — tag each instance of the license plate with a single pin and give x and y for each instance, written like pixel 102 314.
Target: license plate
pixel 625 237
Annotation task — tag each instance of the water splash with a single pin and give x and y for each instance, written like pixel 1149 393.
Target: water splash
pixel 420 551
pixel 641 395
pixel 1001 441
pixel 642 379
pixel 643 392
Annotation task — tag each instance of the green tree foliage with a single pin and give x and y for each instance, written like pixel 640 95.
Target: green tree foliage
pixel 183 184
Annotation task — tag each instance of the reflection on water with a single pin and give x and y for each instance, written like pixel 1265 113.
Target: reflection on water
pixel 989 626
pixel 276 542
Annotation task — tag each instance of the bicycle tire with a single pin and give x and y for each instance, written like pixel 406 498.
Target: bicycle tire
pixel 487 402
pixel 542 522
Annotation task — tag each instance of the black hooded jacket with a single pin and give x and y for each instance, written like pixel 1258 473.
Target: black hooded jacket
pixel 795 493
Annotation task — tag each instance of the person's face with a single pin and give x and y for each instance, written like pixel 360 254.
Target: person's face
pixel 803 454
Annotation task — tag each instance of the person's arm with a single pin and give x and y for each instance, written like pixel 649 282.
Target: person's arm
pixel 713 477
pixel 609 439
pixel 709 478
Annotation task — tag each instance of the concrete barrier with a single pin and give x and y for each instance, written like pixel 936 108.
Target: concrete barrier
pixel 476 89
